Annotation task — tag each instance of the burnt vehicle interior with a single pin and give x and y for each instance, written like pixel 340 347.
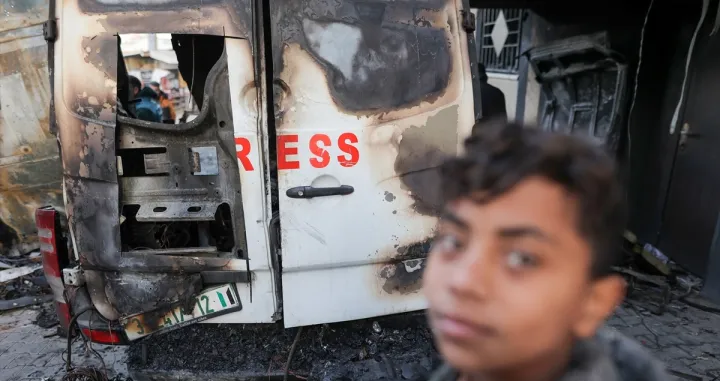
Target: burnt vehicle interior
pixel 179 183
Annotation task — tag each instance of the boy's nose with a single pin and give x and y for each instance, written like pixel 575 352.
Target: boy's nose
pixel 473 275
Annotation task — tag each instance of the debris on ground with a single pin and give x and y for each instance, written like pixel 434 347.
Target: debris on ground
pixel 32 284
pixel 17 272
pixel 85 374
pixel 28 289
pixel 25 301
pixel 360 350
pixel 47 316
pixel 17 258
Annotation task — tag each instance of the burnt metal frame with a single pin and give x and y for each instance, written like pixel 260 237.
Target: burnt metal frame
pixel 573 45
pixel 470 25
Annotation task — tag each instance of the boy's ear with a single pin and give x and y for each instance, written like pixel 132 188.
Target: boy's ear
pixel 605 295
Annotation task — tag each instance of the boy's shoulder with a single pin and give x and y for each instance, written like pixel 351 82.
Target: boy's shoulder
pixel 627 357
pixel 610 356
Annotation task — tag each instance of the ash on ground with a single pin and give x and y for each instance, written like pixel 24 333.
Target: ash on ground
pixel 394 347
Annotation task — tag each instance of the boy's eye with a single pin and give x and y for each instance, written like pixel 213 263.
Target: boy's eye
pixel 521 260
pixel 446 243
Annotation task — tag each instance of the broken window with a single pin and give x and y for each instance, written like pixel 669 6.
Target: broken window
pixel 179 181
pixel 161 77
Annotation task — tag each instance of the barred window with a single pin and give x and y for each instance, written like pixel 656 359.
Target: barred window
pixel 499 35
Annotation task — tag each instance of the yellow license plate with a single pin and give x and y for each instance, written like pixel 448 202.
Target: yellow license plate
pixel 213 302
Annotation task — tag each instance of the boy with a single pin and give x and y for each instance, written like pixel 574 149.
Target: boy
pixel 519 279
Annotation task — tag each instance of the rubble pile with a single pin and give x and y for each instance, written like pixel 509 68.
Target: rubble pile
pixel 22 282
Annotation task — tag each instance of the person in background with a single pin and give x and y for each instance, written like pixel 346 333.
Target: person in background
pixel 135 86
pixel 492 99
pixel 519 280
pixel 145 104
pixel 168 107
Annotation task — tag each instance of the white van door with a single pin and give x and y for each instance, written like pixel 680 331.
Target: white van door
pixel 370 96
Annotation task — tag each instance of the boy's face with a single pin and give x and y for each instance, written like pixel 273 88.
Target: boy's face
pixel 508 282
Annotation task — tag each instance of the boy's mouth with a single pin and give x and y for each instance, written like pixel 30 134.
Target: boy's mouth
pixel 455 327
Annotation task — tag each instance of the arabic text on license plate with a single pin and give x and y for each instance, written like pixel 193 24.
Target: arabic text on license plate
pixel 210 302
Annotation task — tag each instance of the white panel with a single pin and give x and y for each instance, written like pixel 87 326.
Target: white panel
pixel 340 252
pixel 341 294
pixel 259 300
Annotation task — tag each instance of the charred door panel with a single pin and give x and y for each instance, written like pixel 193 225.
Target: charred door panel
pixel 584 85
pixel 30 172
pixel 370 97
pixel 163 203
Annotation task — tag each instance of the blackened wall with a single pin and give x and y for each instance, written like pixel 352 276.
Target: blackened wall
pixel 652 148
pixel 648 150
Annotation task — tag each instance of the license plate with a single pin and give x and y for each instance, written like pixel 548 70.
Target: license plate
pixel 213 302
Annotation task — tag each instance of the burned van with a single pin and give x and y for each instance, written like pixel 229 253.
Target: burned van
pixel 302 189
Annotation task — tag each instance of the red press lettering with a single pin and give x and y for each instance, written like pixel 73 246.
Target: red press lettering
pixel 283 151
pixel 346 143
pixel 243 152
pixel 318 144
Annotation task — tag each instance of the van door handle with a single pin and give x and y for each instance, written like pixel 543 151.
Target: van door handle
pixel 310 192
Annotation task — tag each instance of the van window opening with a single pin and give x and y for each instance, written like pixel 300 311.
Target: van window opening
pixel 179 190
pixel 174 64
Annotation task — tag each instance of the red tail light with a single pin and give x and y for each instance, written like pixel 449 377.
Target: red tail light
pixel 53 260
pixel 102 337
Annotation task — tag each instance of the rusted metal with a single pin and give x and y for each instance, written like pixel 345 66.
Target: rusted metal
pixel 30 171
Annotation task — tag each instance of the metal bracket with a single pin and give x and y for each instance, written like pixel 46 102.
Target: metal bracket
pixel 50 30
pixel 74 277
pixel 468 21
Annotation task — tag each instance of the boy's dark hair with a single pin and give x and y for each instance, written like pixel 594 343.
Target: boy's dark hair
pixel 499 156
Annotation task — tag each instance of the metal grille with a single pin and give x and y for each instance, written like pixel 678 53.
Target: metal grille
pixel 509 58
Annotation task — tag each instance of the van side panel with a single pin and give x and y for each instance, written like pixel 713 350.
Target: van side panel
pixel 371 97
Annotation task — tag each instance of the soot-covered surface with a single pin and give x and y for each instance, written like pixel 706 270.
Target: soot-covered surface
pixel 359 350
